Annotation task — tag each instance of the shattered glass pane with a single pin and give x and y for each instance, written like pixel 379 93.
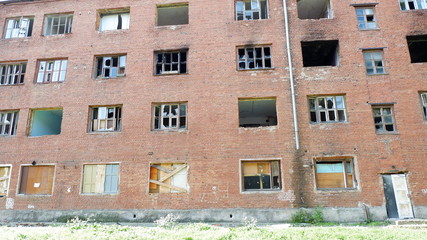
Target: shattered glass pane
pixel 389 128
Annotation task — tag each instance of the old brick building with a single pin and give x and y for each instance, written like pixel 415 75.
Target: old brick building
pixel 127 110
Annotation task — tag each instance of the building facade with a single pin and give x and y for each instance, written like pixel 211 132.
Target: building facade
pixel 214 111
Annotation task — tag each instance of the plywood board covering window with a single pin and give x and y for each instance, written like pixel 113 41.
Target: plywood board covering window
pixel 168 178
pixel 36 180
pixel 261 175
pixel 4 180
pixel 101 178
pixel 335 174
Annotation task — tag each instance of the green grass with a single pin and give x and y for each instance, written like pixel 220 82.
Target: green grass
pixel 205 231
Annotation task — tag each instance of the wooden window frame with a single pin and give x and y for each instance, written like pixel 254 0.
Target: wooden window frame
pixel 181 65
pixel 260 175
pixel 317 110
pixel 19 191
pixel 102 66
pixel 101 176
pixel 13 122
pixel 17 23
pixel 159 119
pixel 164 181
pixel 7 178
pixel 244 13
pixel 345 173
pixel 12 73
pixel 116 119
pixel 50 20
pixel 383 123
pixel 244 60
pixel 373 61
pixel 59 71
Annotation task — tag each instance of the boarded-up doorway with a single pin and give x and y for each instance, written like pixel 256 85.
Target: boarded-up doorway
pixel 396 193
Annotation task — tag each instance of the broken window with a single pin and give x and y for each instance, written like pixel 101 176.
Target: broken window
pixel 335 174
pixel 108 118
pixel 100 178
pixel 412 4
pixel 320 53
pixel 173 62
pixel 114 19
pixel 251 10
pixel 58 24
pixel 4 180
pixel 261 175
pixel 111 66
pixel 168 178
pixel 52 71
pixel 19 27
pixel 170 116
pixel 254 57
pixel 366 18
pixel 417 48
pixel 8 123
pixel 424 104
pixel 173 14
pixel 12 73
pixel 383 119
pixel 46 122
pixel 257 112
pixel 374 62
pixel 36 180
pixel 314 9
pixel 327 109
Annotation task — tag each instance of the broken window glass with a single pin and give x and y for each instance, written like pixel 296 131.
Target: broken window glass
pixel 8 123
pixel 106 119
pixel 111 66
pixel 174 62
pixel 383 119
pixel 374 62
pixel 412 4
pixel 58 24
pixel 366 18
pixel 51 71
pixel 168 178
pixel 327 109
pixel 262 175
pixel 254 58
pixel 251 10
pixel 12 73
pixel 170 116
pixel 19 27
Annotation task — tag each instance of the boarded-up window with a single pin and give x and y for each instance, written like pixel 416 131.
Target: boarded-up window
pixel 168 178
pixel 336 174
pixel 263 175
pixel 101 178
pixel 4 180
pixel 36 180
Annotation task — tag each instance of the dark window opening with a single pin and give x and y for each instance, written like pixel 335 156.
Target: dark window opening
pixel 46 122
pixel 417 48
pixel 172 15
pixel 257 112
pixel 314 9
pixel 320 53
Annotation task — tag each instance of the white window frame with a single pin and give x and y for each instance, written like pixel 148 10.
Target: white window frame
pixel 246 59
pixel 104 175
pixel 61 20
pixel 317 109
pixel 248 14
pixel 12 122
pixel 417 4
pixel 18 27
pixel 6 178
pixel 12 73
pixel 102 119
pixel 423 96
pixel 51 70
pixel 161 117
pixel 383 115
pixel 373 62
pixel 362 20
pixel 104 63
pixel 163 63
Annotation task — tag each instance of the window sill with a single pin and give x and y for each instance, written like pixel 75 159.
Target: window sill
pixel 7 136
pixel 33 195
pixel 100 194
pixel 169 130
pixel 103 132
pixel 113 31
pixel 42 83
pixel 172 27
pixel 329 190
pixel 315 19
pixel 271 191
pixel 325 66
pixel 169 74
pixel 370 29
pixel 113 78
pixel 57 35
pixel 387 133
pixel 251 20
pixel 17 38
pixel 377 74
pixel 329 122
pixel 11 85
pixel 259 127
pixel 414 10
pixel 256 69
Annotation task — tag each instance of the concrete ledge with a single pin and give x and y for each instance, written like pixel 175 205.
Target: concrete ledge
pixel 232 215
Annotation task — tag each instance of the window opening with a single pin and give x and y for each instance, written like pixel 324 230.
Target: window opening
pixel 263 175
pixel 412 4
pixel 174 62
pixel 12 73
pixel 4 180
pixel 52 71
pixel 314 9
pixel 417 46
pixel 106 119
pixel 19 27
pixel 327 109
pixel 168 178
pixel 36 180
pixel 170 116
pixel 46 122
pixel 374 62
pixel 424 104
pixel 320 53
pixel 101 178
pixel 383 119
pixel 254 57
pixel 257 112
pixel 366 18
pixel 8 123
pixel 176 14
pixel 111 66
pixel 251 10
pixel 58 24
pixel 114 21
pixel 335 174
